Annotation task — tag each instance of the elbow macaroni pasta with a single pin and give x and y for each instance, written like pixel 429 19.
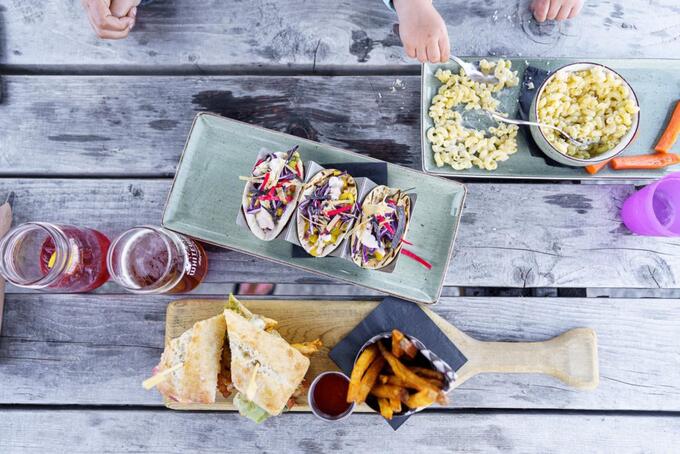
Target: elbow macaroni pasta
pixel 457 146
pixel 592 105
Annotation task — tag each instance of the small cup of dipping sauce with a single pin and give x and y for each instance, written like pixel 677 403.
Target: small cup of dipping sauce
pixel 327 396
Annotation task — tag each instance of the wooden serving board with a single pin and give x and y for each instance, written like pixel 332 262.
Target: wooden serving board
pixel 570 357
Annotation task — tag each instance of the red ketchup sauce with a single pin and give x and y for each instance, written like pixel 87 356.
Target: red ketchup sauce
pixel 330 395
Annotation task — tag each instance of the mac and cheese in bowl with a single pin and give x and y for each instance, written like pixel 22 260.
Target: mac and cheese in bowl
pixel 592 104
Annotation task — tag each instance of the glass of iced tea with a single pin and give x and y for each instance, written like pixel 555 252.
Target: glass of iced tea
pixel 54 257
pixel 150 259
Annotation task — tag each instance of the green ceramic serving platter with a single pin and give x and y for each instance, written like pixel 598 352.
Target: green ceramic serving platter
pixel 206 197
pixel 656 83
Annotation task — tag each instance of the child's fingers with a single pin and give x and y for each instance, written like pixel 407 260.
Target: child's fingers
pixel 410 50
pixel 563 13
pixel 433 54
pixel 421 54
pixel 444 48
pixel 554 9
pixel 103 20
pixel 540 8
pixel 576 9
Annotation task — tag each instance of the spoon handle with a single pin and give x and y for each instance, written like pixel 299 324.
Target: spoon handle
pixel 513 121
pixel 459 61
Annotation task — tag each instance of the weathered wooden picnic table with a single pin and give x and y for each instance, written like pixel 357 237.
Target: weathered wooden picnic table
pixel 90 134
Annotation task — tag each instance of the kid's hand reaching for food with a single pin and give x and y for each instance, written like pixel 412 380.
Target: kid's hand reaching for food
pixel 555 9
pixel 422 30
pixel 111 19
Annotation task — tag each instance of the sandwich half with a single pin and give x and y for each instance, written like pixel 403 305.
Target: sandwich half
pixel 197 352
pixel 265 369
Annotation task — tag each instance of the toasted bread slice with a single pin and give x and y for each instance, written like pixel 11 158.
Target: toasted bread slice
pixel 199 351
pixel 264 367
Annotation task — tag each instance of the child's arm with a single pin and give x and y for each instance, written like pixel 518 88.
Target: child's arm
pixel 422 30
pixel 556 9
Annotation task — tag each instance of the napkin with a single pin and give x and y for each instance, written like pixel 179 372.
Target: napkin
pixel 5 223
pixel 408 318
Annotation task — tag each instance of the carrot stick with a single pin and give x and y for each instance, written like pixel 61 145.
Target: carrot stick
pixel 670 135
pixel 594 168
pixel 648 161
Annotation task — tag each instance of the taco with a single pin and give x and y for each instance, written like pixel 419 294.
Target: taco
pixel 327 211
pixel 377 239
pixel 271 193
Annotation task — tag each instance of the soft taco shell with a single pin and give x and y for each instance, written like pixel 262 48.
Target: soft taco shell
pixel 320 178
pixel 377 195
pixel 283 220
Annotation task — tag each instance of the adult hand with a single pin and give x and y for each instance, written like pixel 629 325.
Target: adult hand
pixel 422 30
pixel 105 24
pixel 555 9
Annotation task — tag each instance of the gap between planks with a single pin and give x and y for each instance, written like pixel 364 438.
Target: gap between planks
pixel 210 70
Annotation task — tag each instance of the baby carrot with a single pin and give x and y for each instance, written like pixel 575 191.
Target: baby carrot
pixel 648 161
pixel 670 135
pixel 594 168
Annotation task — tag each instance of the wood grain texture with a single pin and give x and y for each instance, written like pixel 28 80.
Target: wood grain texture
pixel 31 431
pixel 198 35
pixel 553 235
pixel 137 125
pixel 97 349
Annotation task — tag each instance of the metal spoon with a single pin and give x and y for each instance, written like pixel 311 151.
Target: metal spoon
pixel 473 73
pixel 576 142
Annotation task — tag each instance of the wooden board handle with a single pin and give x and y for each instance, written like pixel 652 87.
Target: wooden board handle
pixel 570 357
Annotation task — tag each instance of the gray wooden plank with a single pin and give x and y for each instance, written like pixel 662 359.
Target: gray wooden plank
pixel 552 236
pixel 86 431
pixel 138 125
pixel 201 34
pixel 97 349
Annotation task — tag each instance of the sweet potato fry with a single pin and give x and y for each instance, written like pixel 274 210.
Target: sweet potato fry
pixel 400 370
pixel 429 373
pixel 409 348
pixel 363 362
pixel 390 392
pixel 395 404
pixel 384 379
pixel 385 408
pixel 402 346
pixel 397 337
pixel 396 381
pixel 369 379
pixel 308 348
pixel 422 398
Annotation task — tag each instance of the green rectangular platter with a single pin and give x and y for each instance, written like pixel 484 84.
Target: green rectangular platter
pixel 656 83
pixel 206 197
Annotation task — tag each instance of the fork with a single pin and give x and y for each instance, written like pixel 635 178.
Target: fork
pixel 576 142
pixel 473 73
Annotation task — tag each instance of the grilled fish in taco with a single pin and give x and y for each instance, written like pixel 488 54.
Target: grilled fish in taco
pixel 271 193
pixel 377 238
pixel 327 211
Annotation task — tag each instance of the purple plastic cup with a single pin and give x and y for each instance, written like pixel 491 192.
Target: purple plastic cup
pixel 655 209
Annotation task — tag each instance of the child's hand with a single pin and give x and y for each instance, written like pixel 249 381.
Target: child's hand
pixel 422 30
pixel 555 9
pixel 123 8
pixel 104 22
